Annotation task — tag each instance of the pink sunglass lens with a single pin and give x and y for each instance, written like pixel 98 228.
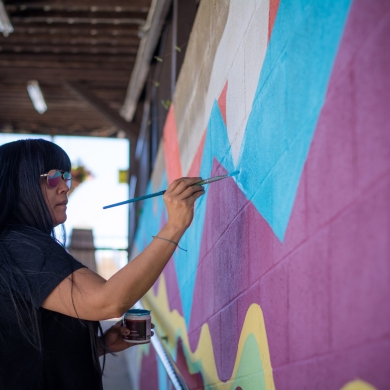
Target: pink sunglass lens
pixel 54 179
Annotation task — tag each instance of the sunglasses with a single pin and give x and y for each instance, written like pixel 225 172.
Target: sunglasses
pixel 54 177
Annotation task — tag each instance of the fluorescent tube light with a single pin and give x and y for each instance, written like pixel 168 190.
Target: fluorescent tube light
pixel 36 96
pixel 5 24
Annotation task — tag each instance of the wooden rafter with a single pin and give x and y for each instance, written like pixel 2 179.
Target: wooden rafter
pixel 91 43
pixel 129 128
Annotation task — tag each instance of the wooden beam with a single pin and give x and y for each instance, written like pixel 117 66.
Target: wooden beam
pixel 27 47
pixel 129 128
pixel 14 97
pixel 16 20
pixel 75 3
pixel 68 39
pixel 88 119
pixel 84 6
pixel 18 86
pixel 77 30
pixel 85 120
pixel 76 14
pixel 57 130
pixel 154 24
pixel 39 60
pixel 101 77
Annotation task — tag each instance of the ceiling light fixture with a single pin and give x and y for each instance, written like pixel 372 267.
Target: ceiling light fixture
pixel 5 24
pixel 36 96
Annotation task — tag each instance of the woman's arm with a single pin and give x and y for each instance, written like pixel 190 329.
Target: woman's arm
pixel 86 295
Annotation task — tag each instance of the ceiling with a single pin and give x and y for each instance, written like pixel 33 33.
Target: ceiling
pixel 82 54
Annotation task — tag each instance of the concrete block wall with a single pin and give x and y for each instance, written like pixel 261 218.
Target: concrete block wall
pixel 286 280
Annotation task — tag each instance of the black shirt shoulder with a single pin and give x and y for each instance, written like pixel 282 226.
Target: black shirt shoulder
pixel 40 264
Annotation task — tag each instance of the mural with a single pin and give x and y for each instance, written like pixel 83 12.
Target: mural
pixel 285 281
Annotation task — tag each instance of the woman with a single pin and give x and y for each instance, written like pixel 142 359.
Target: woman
pixel 50 303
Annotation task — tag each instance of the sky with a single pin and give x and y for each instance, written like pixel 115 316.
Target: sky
pixel 103 157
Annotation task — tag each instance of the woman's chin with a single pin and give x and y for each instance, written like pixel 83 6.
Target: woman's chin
pixel 59 220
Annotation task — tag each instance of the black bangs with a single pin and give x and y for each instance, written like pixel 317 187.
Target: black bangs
pixel 41 155
pixel 54 157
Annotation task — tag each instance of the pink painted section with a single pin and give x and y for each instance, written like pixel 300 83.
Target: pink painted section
pixel 273 10
pixel 149 373
pixel 173 288
pixel 193 381
pixel 324 292
pixel 195 166
pixel 171 147
pixel 222 102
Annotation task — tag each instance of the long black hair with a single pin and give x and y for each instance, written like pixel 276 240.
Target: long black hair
pixel 23 209
pixel 21 164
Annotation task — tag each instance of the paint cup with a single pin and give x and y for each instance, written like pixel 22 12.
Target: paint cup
pixel 138 321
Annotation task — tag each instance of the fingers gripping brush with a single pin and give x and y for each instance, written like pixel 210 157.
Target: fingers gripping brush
pixel 200 183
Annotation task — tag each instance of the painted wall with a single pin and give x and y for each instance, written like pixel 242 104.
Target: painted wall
pixel 286 280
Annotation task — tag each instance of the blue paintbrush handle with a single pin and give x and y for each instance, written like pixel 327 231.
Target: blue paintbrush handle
pixel 135 199
pixel 206 181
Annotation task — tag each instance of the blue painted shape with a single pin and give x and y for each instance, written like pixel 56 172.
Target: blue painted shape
pixel 287 104
pixel 162 376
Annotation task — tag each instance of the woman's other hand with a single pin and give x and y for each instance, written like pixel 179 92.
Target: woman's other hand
pixel 113 338
pixel 179 200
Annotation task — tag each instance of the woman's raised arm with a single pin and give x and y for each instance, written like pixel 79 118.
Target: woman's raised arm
pixel 86 295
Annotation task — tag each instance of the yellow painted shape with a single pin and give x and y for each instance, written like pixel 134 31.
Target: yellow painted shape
pixel 358 385
pixel 173 325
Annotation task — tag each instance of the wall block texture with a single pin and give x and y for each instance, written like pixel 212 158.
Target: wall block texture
pixel 286 280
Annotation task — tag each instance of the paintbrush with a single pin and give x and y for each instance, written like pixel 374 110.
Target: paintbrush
pixel 200 183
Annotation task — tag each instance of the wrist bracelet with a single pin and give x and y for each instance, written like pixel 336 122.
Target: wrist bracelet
pixel 173 242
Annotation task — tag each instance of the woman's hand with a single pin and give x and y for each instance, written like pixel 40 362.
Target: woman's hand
pixel 179 200
pixel 113 338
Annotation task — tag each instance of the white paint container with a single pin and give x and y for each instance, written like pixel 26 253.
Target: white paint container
pixel 138 321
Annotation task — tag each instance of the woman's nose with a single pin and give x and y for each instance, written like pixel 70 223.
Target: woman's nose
pixel 63 187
